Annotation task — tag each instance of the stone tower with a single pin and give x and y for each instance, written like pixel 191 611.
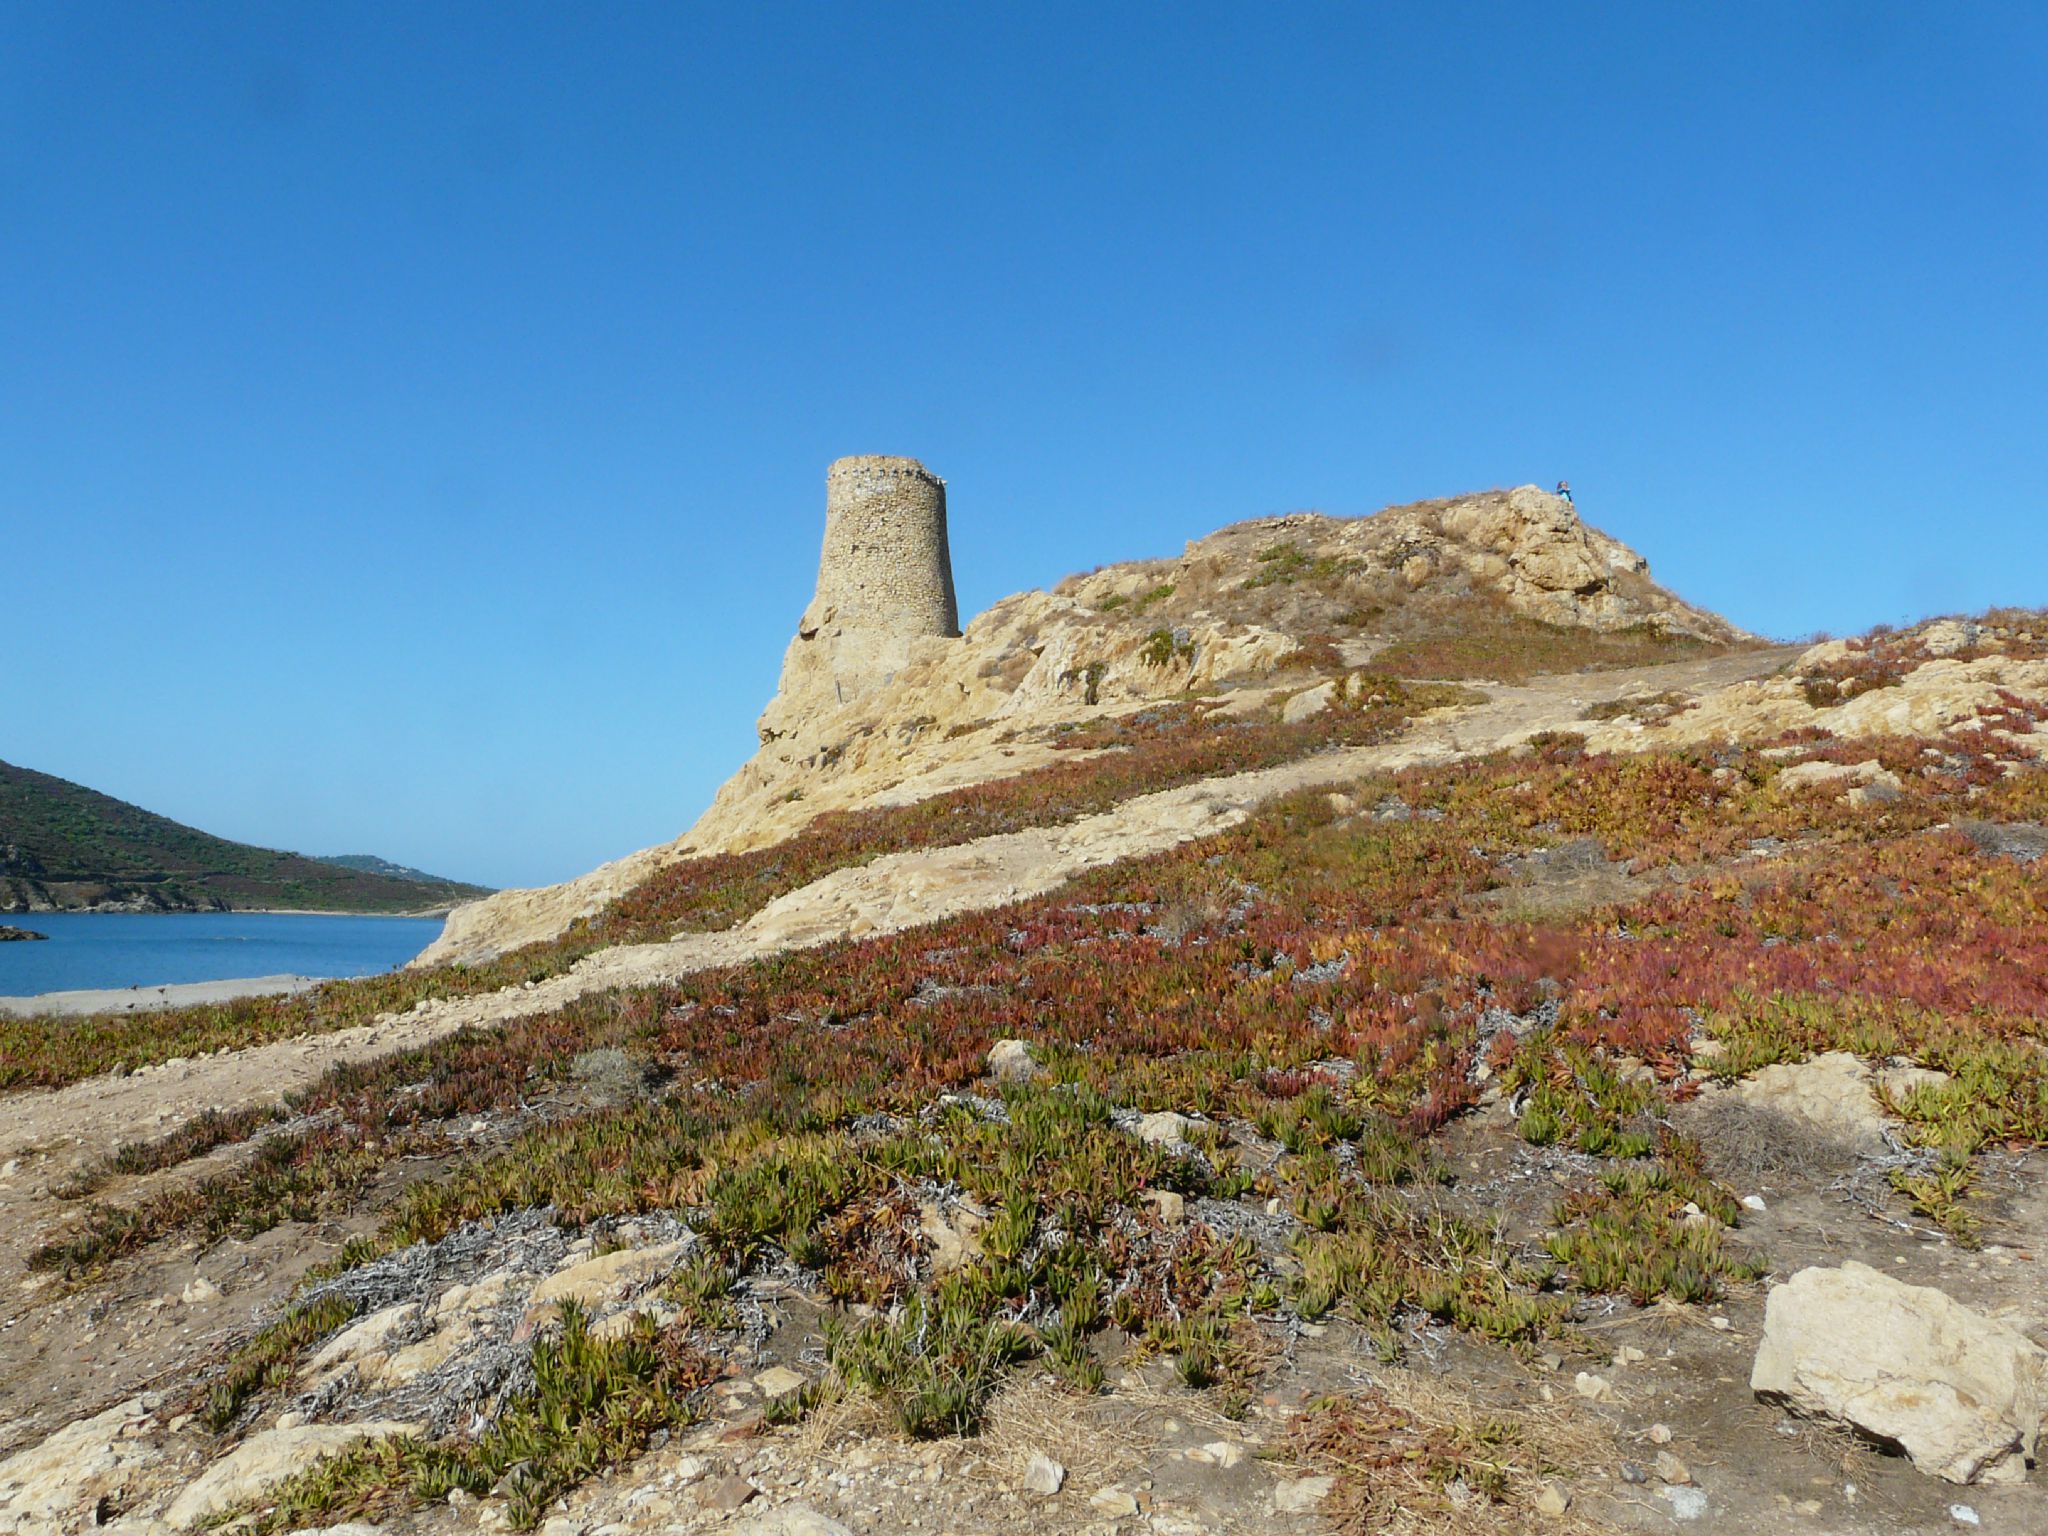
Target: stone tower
pixel 885 582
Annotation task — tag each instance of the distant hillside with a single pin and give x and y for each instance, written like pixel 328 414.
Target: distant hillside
pixel 370 864
pixel 64 847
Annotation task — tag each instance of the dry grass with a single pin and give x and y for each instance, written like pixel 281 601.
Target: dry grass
pixel 1746 1143
pixel 1416 1455
pixel 1099 1440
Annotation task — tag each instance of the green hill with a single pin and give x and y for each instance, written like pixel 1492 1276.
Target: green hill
pixel 64 847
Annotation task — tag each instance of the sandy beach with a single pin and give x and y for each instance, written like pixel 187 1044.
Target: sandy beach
pixel 143 999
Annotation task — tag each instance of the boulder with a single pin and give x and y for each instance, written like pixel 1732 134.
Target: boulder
pixel 1962 1394
pixel 263 1461
pixel 595 1283
pixel 953 1231
pixel 1307 704
pixel 1830 1094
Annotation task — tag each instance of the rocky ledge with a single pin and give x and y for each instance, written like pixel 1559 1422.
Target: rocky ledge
pixel 8 934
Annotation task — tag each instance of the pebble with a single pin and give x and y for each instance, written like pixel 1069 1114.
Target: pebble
pixel 1671 1469
pixel 1754 1202
pixel 1962 1514
pixel 1660 1434
pixel 1113 1502
pixel 1552 1498
pixel 1224 1453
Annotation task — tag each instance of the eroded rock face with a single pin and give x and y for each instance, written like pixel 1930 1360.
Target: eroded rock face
pixel 1962 1394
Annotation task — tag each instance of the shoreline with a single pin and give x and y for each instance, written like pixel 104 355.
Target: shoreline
pixel 151 999
pixel 419 916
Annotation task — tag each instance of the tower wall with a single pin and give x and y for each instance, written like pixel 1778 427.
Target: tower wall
pixel 885 567
pixel 885 587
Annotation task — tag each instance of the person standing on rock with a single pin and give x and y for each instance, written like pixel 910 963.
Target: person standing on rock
pixel 1564 489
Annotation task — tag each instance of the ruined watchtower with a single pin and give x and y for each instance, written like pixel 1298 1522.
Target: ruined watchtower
pixel 885 580
pixel 885 566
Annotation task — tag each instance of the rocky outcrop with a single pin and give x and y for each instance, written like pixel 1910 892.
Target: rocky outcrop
pixel 1962 1394
pixel 1933 691
pixel 16 935
pixel 61 1483
pixel 932 713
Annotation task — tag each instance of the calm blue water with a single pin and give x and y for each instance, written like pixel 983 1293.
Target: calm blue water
pixel 132 949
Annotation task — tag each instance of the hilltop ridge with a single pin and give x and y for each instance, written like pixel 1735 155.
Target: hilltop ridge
pixel 64 847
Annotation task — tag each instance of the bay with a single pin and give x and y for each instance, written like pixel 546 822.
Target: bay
pixel 136 949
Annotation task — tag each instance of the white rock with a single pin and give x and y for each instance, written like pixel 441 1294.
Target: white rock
pixel 363 1338
pixel 1754 1203
pixel 64 1476
pixel 609 1277
pixel 1552 1497
pixel 197 1290
pixel 778 1381
pixel 264 1460
pixel 1164 1128
pixel 1011 1061
pixel 1962 1394
pixel 1596 1389
pixel 789 1520
pixel 1686 1503
pixel 1225 1453
pixel 1962 1514
pixel 1831 1093
pixel 1300 1495
pixel 1044 1476
pixel 1166 1205
pixel 1112 1502
pixel 1308 704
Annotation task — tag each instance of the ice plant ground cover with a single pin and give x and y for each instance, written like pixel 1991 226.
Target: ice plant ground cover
pixel 1154 749
pixel 1318 996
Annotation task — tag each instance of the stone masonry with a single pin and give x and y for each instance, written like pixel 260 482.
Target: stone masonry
pixel 885 583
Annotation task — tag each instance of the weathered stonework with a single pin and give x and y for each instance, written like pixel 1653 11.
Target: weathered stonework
pixel 885 583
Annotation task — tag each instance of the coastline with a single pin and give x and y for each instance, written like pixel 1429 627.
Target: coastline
pixel 150 999
pixel 424 912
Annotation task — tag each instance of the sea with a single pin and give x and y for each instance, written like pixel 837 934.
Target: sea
pixel 142 949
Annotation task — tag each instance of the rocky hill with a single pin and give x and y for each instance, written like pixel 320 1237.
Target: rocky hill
pixel 1214 1076
pixel 64 847
pixel 1489 585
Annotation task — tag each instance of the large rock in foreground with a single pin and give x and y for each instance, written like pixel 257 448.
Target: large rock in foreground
pixel 1962 1394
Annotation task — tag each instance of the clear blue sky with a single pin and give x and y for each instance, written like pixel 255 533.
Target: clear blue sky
pixel 414 417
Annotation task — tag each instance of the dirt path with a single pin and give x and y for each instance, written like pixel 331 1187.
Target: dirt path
pixel 46 1134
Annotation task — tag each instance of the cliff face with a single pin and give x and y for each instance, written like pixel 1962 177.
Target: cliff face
pixel 1244 608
